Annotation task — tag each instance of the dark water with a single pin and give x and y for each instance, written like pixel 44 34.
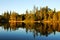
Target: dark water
pixel 30 31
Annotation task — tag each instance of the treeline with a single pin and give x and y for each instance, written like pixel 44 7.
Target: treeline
pixel 40 15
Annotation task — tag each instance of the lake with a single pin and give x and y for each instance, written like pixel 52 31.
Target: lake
pixel 30 31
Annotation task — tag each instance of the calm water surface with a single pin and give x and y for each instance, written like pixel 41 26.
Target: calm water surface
pixel 37 31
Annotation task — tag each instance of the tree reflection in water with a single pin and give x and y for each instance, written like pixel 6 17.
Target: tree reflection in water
pixel 42 29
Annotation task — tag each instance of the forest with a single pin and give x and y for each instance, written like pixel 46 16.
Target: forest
pixel 43 20
pixel 44 14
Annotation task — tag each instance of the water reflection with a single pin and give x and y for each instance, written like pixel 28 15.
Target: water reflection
pixel 42 29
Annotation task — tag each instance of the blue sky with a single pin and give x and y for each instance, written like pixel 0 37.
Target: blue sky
pixel 21 6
